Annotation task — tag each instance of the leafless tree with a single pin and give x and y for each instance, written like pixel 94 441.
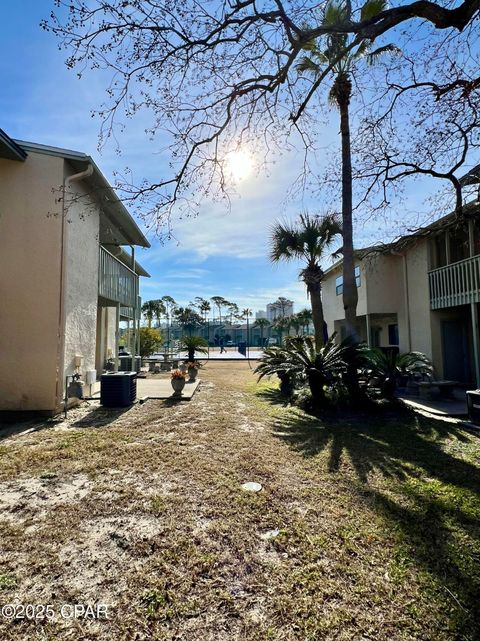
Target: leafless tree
pixel 214 75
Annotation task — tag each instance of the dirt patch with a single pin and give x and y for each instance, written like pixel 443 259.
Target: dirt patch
pixel 35 497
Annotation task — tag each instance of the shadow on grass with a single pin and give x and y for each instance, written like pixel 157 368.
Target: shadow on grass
pixel 100 417
pixel 414 472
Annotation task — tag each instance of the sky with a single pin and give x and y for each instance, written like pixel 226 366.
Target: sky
pixel 218 253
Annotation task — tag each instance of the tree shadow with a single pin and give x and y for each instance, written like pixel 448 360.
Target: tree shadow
pixel 391 442
pixel 100 416
pixel 427 494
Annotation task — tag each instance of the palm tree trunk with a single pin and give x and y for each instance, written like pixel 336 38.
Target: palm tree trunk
pixel 350 294
pixel 314 290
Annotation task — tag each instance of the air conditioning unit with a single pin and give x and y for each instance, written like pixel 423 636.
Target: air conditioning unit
pixel 118 389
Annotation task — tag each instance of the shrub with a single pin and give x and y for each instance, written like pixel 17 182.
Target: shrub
pixel 150 340
pixel 299 362
pixel 193 344
pixel 384 369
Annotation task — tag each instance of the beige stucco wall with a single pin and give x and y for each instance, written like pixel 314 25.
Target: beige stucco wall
pixel 384 283
pixel 81 276
pixel 333 304
pixel 419 301
pixel 30 233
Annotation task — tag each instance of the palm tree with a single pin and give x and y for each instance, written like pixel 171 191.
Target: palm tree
pixel 219 302
pixel 341 54
pixel 170 305
pixel 281 325
pixel 296 322
pixel 153 309
pixel 187 318
pixel 262 323
pixel 305 318
pixel 245 314
pixel 203 307
pixel 308 240
pixel 159 311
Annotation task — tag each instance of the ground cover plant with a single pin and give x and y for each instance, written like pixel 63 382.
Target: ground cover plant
pixel 365 528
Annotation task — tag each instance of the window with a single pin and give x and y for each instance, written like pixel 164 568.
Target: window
pixel 393 334
pixel 339 281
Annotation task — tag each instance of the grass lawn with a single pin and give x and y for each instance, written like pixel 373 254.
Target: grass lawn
pixel 365 529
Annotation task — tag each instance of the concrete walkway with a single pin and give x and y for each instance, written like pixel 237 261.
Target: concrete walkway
pixel 161 388
pixel 455 407
pixel 155 388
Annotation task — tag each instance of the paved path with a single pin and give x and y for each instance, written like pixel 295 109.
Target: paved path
pixel 157 388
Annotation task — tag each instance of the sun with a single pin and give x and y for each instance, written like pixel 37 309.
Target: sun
pixel 239 164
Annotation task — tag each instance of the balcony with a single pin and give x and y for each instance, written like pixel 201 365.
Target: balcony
pixel 456 284
pixel 117 283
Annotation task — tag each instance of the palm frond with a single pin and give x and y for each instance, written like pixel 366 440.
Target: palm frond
pixel 372 8
pixel 308 65
pixel 373 56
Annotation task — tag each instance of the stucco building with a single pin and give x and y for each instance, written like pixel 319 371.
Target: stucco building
pixel 421 293
pixel 68 274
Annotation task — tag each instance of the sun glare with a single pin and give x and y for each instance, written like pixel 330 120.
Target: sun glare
pixel 239 164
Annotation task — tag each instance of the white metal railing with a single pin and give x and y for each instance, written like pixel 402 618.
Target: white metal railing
pixel 116 281
pixel 456 284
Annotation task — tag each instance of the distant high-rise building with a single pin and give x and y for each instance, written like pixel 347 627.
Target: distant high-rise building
pixel 281 307
pixel 261 314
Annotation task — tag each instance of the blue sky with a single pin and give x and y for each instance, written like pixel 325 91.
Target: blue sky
pixel 218 253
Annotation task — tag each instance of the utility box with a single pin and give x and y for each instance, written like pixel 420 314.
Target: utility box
pixel 129 363
pixel 118 389
pixel 473 404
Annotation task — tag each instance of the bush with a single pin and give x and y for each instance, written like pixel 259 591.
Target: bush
pixel 384 370
pixel 150 341
pixel 298 363
pixel 193 344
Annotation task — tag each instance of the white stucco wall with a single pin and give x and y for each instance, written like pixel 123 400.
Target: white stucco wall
pixel 81 282
pixel 30 258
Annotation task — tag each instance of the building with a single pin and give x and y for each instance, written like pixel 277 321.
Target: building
pixel 420 293
pixel 260 314
pixel 68 274
pixel 281 307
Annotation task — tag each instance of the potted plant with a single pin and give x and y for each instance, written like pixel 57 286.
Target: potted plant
pixel 192 369
pixel 178 381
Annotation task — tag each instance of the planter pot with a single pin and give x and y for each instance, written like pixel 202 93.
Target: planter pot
pixel 178 384
pixel 192 373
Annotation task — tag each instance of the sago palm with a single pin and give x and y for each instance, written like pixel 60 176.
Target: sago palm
pixel 341 54
pixel 307 239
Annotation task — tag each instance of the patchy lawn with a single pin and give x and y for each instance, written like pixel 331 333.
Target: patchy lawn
pixel 365 529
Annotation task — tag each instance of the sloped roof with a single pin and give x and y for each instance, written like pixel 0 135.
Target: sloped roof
pixel 119 228
pixel 9 149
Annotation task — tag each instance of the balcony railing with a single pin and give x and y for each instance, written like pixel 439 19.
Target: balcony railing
pixel 116 282
pixel 456 284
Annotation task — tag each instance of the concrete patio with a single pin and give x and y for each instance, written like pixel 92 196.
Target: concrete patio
pixel 155 388
pixel 455 407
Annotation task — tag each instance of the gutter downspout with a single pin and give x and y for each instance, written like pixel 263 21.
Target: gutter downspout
pixel 63 261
